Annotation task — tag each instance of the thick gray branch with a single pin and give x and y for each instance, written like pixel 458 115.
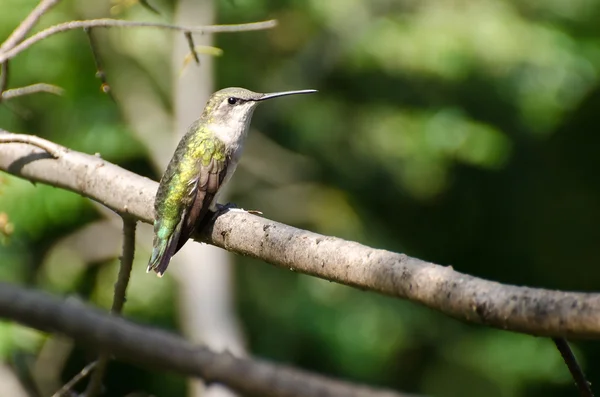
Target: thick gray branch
pixel 528 310
pixel 157 349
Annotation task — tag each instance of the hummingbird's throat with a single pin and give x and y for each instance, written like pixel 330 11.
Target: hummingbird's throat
pixel 232 128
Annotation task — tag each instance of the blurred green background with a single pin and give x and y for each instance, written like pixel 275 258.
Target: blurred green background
pixel 461 132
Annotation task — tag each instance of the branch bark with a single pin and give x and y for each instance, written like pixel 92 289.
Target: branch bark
pixel 528 310
pixel 157 349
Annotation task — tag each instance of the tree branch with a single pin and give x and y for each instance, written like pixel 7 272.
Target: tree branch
pixel 100 74
pixel 10 53
pixel 85 371
pixel 529 310
pixel 31 89
pixel 126 263
pixel 160 350
pixel 190 40
pixel 27 24
pixel 49 147
pixel 3 79
pixel 127 255
pixel 585 388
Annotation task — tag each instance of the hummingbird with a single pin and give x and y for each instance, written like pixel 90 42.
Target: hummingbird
pixel 203 163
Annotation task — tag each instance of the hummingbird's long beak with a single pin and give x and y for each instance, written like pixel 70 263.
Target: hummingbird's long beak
pixel 283 93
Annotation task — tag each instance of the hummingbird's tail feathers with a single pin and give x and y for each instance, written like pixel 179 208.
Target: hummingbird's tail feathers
pixel 161 256
pixel 163 250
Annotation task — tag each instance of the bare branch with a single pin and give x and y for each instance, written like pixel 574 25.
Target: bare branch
pixel 190 40
pixel 85 371
pixel 107 23
pixel 51 148
pixel 148 347
pixel 3 79
pixel 126 264
pixel 146 5
pixel 129 226
pixel 27 24
pixel 529 310
pixel 100 74
pixel 31 89
pixel 585 389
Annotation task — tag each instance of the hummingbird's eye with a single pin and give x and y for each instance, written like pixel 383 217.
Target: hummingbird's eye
pixel 231 100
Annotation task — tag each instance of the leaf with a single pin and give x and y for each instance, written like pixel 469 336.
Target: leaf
pixel 119 6
pixel 6 228
pixel 200 49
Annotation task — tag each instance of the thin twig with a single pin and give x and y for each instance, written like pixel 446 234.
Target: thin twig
pixel 128 252
pixel 76 379
pixel 126 263
pixel 147 5
pixel 100 74
pixel 585 389
pixel 190 41
pixel 52 148
pixel 3 79
pixel 31 89
pixel 27 24
pixel 107 23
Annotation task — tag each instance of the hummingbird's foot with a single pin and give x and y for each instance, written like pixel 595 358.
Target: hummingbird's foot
pixel 223 208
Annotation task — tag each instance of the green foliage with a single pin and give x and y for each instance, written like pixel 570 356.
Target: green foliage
pixel 509 362
pixel 35 218
pixel 14 337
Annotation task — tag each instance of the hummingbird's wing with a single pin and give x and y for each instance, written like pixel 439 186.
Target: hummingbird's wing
pixel 191 199
pixel 205 187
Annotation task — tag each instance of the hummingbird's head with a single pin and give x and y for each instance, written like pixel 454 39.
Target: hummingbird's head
pixel 228 111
